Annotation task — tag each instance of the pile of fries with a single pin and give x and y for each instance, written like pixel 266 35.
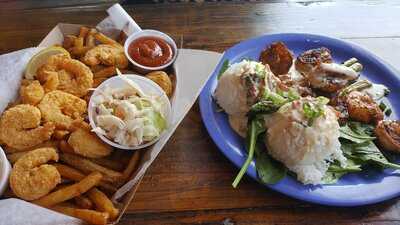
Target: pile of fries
pixel 87 178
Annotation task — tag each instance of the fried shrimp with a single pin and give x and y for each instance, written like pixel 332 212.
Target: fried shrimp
pixel 361 107
pixel 31 178
pixel 66 74
pixel 107 54
pixel 20 127
pixel 31 93
pixel 61 108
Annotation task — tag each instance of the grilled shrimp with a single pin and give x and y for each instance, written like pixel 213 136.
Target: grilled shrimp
pixel 318 67
pixel 388 134
pixel 20 127
pixel 31 178
pixel 278 57
pixel 61 108
pixel 361 107
pixel 66 74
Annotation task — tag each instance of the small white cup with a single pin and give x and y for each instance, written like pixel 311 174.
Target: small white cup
pixel 148 87
pixel 150 33
pixel 5 170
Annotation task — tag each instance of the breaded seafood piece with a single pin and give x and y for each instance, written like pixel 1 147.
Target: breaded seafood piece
pixel 20 127
pixel 31 178
pixel 31 93
pixel 61 108
pixel 66 74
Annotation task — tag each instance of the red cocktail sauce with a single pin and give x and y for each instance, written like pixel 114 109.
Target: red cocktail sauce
pixel 150 51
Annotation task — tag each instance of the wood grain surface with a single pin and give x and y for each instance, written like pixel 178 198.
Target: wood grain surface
pixel 190 182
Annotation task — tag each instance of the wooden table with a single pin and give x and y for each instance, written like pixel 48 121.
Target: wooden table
pixel 190 182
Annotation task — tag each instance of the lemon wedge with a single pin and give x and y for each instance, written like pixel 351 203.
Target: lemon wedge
pixel 40 58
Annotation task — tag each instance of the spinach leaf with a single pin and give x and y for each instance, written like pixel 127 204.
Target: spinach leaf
pixel 367 153
pixel 360 148
pixel 255 129
pixel 336 171
pixel 269 170
pixel 224 67
pixel 356 132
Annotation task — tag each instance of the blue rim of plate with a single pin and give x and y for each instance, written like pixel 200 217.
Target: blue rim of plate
pixel 357 189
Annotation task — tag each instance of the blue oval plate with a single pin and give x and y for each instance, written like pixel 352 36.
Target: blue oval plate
pixel 355 189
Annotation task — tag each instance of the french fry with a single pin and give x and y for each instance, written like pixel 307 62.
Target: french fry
pixel 60 134
pixel 75 175
pixel 78 42
pixel 103 203
pixel 83 31
pixel 65 147
pixel 104 39
pixel 132 164
pixel 69 41
pixel 90 216
pixel 69 192
pixel 90 40
pixel 79 50
pixel 83 202
pixel 105 73
pixel 109 163
pixel 88 166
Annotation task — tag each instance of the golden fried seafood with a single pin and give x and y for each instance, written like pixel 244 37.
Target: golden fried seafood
pixel 278 57
pixel 31 93
pixel 88 144
pixel 20 127
pixel 61 108
pixel 60 134
pixel 388 134
pixel 73 76
pixel 31 178
pixel 106 54
pixel 162 79
pixel 361 107
pixel 47 144
pixel 105 72
pixel 323 74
